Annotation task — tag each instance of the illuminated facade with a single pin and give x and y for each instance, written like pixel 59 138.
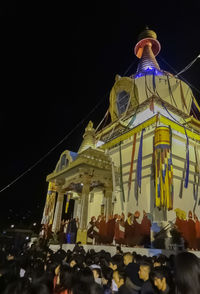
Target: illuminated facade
pixel 146 158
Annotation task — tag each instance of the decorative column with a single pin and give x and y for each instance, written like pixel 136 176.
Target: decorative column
pixel 84 205
pixel 108 198
pixel 58 213
pixel 82 232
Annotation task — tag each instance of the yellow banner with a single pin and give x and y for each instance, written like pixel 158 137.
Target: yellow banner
pixel 179 128
pixel 67 202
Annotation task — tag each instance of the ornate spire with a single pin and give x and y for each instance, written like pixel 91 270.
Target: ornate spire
pixel 146 49
pixel 88 138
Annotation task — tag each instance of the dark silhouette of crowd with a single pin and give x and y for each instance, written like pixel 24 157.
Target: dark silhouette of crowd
pixel 38 270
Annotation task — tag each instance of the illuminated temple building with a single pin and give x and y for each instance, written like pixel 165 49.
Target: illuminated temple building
pixel 145 159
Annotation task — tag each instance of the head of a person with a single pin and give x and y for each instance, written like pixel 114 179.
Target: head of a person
pixel 161 278
pixel 119 277
pixel 187 273
pixel 138 258
pixel 66 277
pixel 116 262
pixel 131 271
pixel 86 275
pixel 93 219
pixel 144 271
pixel 161 260
pixel 128 258
pixel 157 263
pixel 118 250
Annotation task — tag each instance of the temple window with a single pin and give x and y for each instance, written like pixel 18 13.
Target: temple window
pixel 63 162
pixel 122 101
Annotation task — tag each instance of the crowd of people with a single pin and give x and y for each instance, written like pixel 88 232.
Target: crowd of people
pixel 36 269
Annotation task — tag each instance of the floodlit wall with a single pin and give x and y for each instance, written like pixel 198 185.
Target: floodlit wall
pixel 187 201
pixel 171 94
pixel 147 196
pixel 95 204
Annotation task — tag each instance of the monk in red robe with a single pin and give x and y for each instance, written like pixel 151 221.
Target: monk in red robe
pixel 137 229
pixel 103 230
pixel 128 230
pixel 145 228
pixel 122 229
pixel 110 229
pixel 181 225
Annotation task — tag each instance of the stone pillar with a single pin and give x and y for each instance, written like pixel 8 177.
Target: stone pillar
pixel 84 205
pixel 108 198
pixel 58 213
pixel 82 231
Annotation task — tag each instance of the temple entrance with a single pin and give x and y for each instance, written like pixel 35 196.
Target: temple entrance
pixel 70 212
pixel 68 209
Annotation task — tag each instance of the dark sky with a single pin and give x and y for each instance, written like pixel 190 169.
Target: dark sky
pixel 8 8
pixel 56 70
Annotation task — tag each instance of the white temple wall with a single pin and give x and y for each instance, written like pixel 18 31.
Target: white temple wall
pixel 187 201
pixel 94 208
pixel 146 197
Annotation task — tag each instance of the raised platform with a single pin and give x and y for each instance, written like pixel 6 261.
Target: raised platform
pixel 112 249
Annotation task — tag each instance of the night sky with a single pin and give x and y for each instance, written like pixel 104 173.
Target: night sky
pixel 55 71
pixel 8 8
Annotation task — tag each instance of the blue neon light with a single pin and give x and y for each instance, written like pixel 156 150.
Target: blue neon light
pixel 149 70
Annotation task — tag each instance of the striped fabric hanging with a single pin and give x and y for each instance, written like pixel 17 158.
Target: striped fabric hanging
pixel 52 206
pixel 139 163
pixel 49 205
pixel 182 182
pixel 131 167
pixel 163 169
pixel 187 161
pixel 121 177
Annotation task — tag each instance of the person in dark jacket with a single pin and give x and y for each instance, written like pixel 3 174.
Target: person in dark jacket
pixel 144 271
pixel 120 278
pixel 162 279
pixel 132 278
